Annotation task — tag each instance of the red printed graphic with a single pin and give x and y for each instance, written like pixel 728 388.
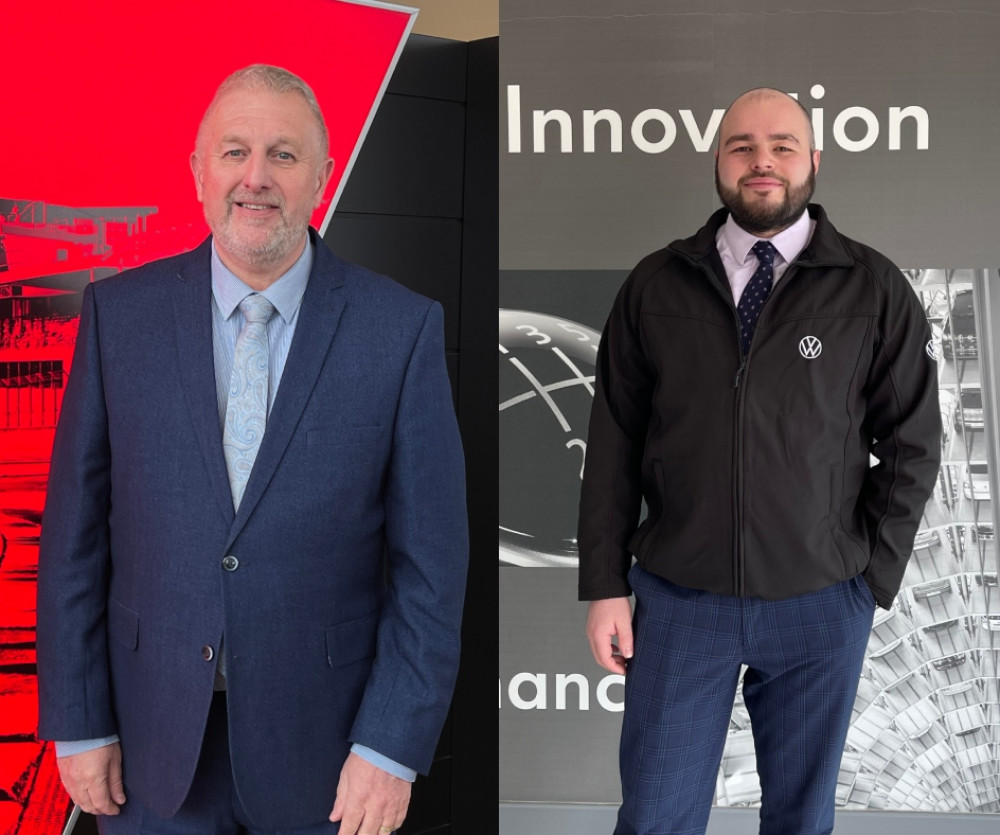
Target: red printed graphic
pixel 100 106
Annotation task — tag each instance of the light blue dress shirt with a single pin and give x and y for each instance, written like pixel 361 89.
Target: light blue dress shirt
pixel 227 322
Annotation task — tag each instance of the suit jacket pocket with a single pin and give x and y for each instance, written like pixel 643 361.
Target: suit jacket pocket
pixel 123 625
pixel 343 435
pixel 352 640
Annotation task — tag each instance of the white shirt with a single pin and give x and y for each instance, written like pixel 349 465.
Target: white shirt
pixel 735 247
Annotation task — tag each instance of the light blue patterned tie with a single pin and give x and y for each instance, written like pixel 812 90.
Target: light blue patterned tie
pixel 246 411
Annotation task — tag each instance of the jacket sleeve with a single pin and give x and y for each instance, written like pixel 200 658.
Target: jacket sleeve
pixel 611 495
pixel 903 420
pixel 409 689
pixel 73 563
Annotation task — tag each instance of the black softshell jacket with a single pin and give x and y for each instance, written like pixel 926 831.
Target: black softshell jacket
pixel 769 475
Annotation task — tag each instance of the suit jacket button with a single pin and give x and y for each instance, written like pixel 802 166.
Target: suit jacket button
pixel 207 652
pixel 230 563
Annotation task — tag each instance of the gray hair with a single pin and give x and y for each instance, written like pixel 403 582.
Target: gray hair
pixel 276 80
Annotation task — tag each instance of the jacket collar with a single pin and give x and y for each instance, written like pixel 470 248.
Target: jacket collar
pixel 319 316
pixel 322 305
pixel 826 249
pixel 192 302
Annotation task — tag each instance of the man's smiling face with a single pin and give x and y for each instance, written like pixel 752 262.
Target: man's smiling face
pixel 765 170
pixel 260 172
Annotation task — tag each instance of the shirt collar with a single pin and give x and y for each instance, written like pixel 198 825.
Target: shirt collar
pixel 789 242
pixel 285 293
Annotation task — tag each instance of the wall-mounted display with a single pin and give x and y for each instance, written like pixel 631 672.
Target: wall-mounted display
pixel 609 117
pixel 926 725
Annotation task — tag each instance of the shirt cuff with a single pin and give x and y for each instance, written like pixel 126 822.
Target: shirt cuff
pixel 380 761
pixel 66 749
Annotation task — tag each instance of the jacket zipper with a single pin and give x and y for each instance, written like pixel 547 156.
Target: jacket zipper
pixel 739 568
pixel 727 295
pixel 739 544
pixel 739 557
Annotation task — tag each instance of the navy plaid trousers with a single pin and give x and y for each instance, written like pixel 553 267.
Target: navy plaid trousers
pixel 803 657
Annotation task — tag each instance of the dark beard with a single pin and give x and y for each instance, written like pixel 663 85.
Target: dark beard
pixel 762 219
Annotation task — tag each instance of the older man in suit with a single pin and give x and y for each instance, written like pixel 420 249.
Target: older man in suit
pixel 254 546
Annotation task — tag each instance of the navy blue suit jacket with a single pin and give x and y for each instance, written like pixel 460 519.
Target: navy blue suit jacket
pixel 341 620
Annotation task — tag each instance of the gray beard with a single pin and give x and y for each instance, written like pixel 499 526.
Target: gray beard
pixel 281 242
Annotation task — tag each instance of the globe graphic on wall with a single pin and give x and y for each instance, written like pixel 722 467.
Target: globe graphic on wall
pixel 546 391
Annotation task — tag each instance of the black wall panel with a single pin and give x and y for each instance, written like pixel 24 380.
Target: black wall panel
pixel 424 253
pixel 474 792
pixel 432 68
pixel 411 162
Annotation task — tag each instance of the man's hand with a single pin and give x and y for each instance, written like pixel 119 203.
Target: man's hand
pixel 605 620
pixel 369 801
pixel 94 779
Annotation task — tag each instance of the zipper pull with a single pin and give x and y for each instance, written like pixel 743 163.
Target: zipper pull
pixel 739 372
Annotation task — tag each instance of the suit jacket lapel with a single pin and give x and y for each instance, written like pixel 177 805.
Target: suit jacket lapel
pixel 319 315
pixel 193 315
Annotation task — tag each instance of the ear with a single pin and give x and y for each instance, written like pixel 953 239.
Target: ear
pixel 324 177
pixel 815 161
pixel 196 170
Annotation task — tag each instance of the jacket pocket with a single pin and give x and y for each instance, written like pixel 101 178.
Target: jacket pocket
pixel 123 625
pixel 352 640
pixel 648 531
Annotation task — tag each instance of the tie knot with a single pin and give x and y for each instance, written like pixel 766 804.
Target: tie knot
pixel 764 250
pixel 256 308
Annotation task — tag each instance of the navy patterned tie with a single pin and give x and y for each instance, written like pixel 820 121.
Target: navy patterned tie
pixel 246 412
pixel 756 292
